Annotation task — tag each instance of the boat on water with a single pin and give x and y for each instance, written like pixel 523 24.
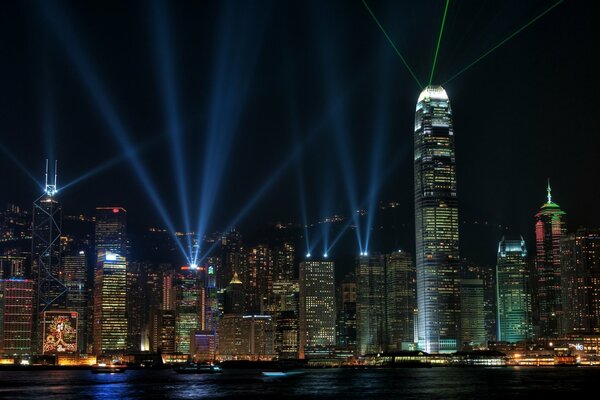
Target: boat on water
pixel 193 368
pixel 103 368
pixel 281 374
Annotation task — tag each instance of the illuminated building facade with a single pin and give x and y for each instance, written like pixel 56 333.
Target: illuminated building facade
pixel 401 300
pixel 246 337
pixel 189 303
pixel 317 307
pixel 436 223
pixel 472 315
pixel 258 281
pixel 370 304
pixel 162 332
pixel 549 230
pixel 284 307
pixel 110 298
pixel 211 302
pixel 111 230
pixel 16 311
pixel 580 282
pixel 514 296
pixel 283 262
pixel 50 291
pixel 75 274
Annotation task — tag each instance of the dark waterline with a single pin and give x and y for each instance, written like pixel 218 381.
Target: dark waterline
pixel 435 383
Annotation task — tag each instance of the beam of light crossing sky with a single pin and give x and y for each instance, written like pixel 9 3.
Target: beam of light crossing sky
pixel 393 45
pixel 509 37
pixel 20 165
pixel 233 73
pixel 58 22
pixel 164 59
pixel 437 49
pixel 108 164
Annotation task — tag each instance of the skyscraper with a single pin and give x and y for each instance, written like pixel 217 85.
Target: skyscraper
pixel 346 330
pixel 234 297
pixel 16 310
pixel 317 307
pixel 258 282
pixel 50 290
pixel 514 295
pixel 110 298
pixel 401 300
pixel 189 303
pixel 472 315
pixel 436 223
pixel 580 282
pixel 370 304
pixel 111 230
pixel 75 273
pixel 549 229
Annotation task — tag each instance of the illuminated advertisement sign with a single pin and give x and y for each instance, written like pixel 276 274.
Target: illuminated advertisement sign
pixel 60 332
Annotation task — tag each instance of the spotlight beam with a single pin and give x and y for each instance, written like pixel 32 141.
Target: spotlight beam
pixel 509 37
pixel 107 164
pixel 164 57
pixel 438 42
pixel 19 164
pixel 59 24
pixel 393 45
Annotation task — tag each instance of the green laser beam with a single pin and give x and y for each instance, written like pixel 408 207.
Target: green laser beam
pixel 504 41
pixel 393 45
pixel 437 49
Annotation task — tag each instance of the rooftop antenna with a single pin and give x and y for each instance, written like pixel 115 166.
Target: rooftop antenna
pixel 549 190
pixel 51 188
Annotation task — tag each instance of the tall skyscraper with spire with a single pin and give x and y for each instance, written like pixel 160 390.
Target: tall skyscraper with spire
pixel 549 230
pixel 436 223
pixel 50 290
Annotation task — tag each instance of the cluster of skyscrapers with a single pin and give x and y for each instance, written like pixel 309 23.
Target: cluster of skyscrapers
pixel 89 295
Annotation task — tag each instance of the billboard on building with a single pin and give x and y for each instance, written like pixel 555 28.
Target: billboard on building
pixel 60 332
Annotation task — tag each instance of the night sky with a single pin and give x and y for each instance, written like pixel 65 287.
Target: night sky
pixel 310 93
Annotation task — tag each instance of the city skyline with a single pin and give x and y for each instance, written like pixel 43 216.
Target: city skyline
pixel 380 129
pixel 234 188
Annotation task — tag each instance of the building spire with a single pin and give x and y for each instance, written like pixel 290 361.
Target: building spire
pixel 549 191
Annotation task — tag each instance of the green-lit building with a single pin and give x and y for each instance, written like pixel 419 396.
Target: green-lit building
pixel 514 296
pixel 549 230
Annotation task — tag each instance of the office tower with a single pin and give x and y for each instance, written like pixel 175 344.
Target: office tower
pixel 514 295
pixel 162 332
pixel 203 346
pixel 211 303
pixel 111 230
pixel 234 296
pixel 50 291
pixel 580 282
pixel 246 337
pixel 346 327
pixel 370 304
pixel 549 229
pixel 284 307
pixel 436 223
pixel 110 298
pixel 259 278
pixel 75 278
pixel 401 300
pixel 234 256
pixel 317 307
pixel 16 311
pixel 472 315
pixel 13 264
pixel 137 305
pixel 189 302
pixel 287 331
pixel 283 262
